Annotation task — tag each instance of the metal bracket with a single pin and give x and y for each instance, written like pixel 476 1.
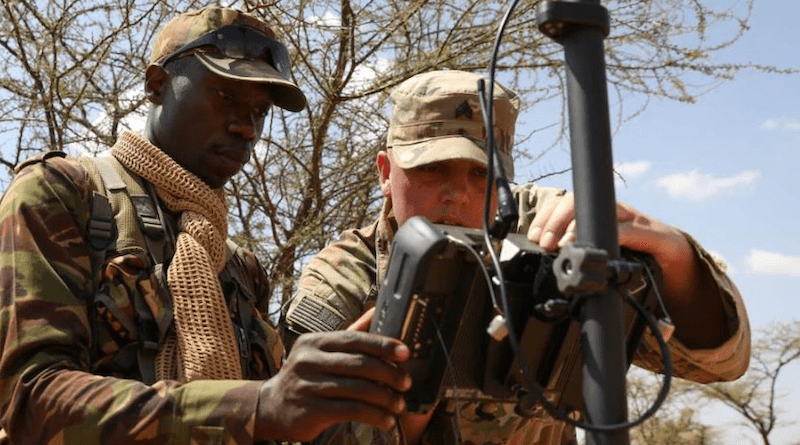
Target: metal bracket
pixel 582 270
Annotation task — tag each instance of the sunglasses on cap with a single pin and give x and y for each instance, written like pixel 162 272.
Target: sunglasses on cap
pixel 241 42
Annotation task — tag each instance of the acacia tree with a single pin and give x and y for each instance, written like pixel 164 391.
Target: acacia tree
pixel 65 64
pixel 72 76
pixel 755 396
pixel 676 422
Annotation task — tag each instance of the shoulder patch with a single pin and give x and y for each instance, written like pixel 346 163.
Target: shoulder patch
pixel 312 316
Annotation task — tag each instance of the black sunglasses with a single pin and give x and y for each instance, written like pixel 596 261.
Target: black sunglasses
pixel 241 42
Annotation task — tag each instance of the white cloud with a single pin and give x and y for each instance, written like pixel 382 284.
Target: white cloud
pixel 773 263
pixel 696 186
pixel 135 121
pixel 327 20
pixel 629 171
pixel 786 124
pixel 365 75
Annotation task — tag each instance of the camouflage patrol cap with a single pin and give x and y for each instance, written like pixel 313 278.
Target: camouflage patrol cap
pixel 437 116
pixel 232 44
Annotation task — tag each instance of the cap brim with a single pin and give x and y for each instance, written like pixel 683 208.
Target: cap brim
pixel 443 149
pixel 289 96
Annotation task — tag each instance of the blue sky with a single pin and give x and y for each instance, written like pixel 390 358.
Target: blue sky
pixel 725 169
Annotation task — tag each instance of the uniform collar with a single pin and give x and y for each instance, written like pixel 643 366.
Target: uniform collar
pixel 384 235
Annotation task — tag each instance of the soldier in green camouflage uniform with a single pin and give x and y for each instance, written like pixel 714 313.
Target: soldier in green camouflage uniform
pixel 434 167
pixel 72 341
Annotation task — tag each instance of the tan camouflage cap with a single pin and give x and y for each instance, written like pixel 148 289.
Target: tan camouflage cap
pixel 437 116
pixel 232 44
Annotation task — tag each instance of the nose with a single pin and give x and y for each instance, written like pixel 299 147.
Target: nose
pixel 458 189
pixel 244 125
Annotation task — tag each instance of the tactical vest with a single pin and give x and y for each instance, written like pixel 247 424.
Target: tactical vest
pixel 126 218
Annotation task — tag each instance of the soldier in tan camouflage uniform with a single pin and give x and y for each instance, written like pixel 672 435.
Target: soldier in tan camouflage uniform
pixel 434 166
pixel 73 367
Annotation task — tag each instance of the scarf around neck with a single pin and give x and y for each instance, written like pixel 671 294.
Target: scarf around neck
pixel 204 345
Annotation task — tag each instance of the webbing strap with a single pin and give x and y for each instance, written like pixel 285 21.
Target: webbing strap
pixel 111 179
pixel 244 303
pixel 152 228
pixel 149 219
pixel 147 213
pixel 101 230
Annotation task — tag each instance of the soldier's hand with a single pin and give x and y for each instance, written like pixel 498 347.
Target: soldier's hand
pixel 413 424
pixel 554 226
pixel 330 378
pixel 551 226
pixel 686 290
pixel 363 322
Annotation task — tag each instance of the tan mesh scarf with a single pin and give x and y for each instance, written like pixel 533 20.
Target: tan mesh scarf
pixel 204 345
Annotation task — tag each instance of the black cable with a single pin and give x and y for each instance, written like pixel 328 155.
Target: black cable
pixel 452 369
pixel 487 106
pixel 482 268
pixel 662 395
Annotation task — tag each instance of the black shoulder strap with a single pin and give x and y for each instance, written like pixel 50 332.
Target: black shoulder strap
pixel 102 233
pixel 242 305
pixel 101 230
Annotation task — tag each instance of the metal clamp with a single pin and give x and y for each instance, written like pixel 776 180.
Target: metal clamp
pixel 584 270
pixel 554 18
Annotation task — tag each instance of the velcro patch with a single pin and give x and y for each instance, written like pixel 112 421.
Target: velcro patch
pixel 312 316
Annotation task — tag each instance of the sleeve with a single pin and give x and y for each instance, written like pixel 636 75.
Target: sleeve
pixel 332 290
pixel 48 393
pixel 727 361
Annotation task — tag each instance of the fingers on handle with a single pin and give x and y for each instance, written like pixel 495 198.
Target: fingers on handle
pixel 363 322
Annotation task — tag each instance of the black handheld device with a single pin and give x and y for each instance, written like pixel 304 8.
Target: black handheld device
pixel 436 298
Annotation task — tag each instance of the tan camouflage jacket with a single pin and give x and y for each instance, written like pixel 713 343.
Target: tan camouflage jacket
pixel 67 374
pixel 342 281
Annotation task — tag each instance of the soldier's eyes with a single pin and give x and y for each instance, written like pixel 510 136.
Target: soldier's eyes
pixel 481 172
pixel 224 95
pixel 428 168
pixel 262 112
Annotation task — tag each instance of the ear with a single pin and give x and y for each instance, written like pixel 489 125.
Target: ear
pixel 154 82
pixel 383 163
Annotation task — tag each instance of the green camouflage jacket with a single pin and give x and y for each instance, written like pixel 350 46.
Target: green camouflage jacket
pixel 67 374
pixel 342 281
